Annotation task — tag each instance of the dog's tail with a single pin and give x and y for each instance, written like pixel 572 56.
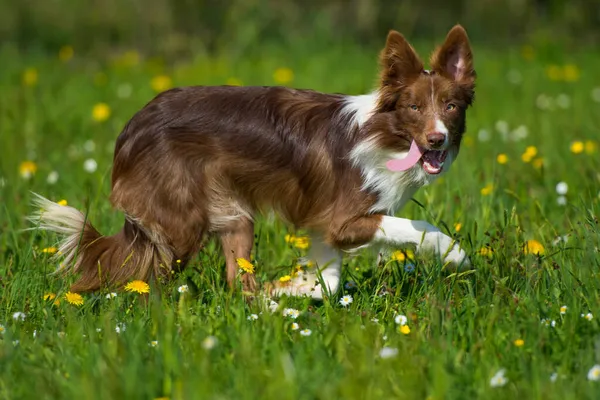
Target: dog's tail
pixel 101 261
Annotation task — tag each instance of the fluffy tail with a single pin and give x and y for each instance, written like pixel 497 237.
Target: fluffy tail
pixel 101 261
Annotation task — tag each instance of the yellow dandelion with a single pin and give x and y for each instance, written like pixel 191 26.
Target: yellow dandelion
pixel 289 238
pixel 402 255
pixel 502 158
pixel 590 146
pixel 577 147
pixel 49 296
pixel 554 72
pixel 285 279
pixel 302 242
pixel 62 202
pixel 101 112
pixel 486 251
pixel 404 329
pixel 50 250
pixel 233 82
pixel 65 53
pixel 527 52
pixel 30 77
pixel 538 163
pixel 283 76
pixel 245 265
pixel 74 298
pixel 519 342
pixel 27 169
pixel 533 247
pixel 457 226
pixel 487 189
pixel 138 287
pixel 571 73
pixel 160 83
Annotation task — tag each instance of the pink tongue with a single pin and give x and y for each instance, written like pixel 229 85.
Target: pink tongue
pixel 414 154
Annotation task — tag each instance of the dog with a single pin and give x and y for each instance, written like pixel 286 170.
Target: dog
pixel 199 162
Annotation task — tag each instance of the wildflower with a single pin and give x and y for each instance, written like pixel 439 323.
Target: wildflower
pixel 529 154
pixel 30 77
pixel 90 165
pixel 101 112
pixel 346 300
pixel 502 158
pixel 183 289
pixel 305 332
pixel 519 342
pixel 300 242
pixel 499 380
pixel 486 251
pixel 273 306
pixel 547 322
pixel 98 330
pixel 252 317
pixel 19 316
pixel 65 53
pixel 350 285
pixel 553 377
pixel 49 250
pixel 594 373
pixel 74 298
pixel 520 133
pixel 120 327
pixel 577 147
pixel 402 255
pixel 295 326
pixel 49 296
pixel 153 343
pixel 138 286
pixel 111 295
pixel 487 189
pixel 562 188
pixel 571 73
pixel 285 278
pixel 401 319
pixel 554 72
pixel 590 147
pixel 502 126
pixel 52 178
pixel 160 83
pixel 563 310
pixel 457 226
pixel 16 342
pixel 533 247
pixel 561 200
pixel 404 329
pixel 283 76
pixel 232 81
pixel 245 265
pixel 388 352
pixel 27 169
pixel 588 316
pixel 409 267
pixel 291 312
pixel 209 342
pixel 2 329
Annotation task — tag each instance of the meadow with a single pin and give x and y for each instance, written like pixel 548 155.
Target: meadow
pixel 523 198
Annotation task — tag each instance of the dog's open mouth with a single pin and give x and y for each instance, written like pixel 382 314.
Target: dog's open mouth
pixel 433 161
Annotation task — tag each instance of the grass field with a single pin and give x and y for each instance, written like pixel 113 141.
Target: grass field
pixel 523 198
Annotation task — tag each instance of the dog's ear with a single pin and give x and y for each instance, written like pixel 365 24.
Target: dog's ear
pixel 400 65
pixel 454 59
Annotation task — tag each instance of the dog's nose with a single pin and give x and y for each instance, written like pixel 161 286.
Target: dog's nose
pixel 436 139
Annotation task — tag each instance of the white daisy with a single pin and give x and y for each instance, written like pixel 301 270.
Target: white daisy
pixel 295 326
pixel 346 300
pixel 52 178
pixel 305 332
pixel 90 165
pixel 563 310
pixel 499 380
pixel 209 342
pixel 401 319
pixel 98 330
pixel 252 317
pixel 562 188
pixel 588 316
pixel 120 327
pixel 153 343
pixel 291 312
pixel 388 352
pixel 111 295
pixel 594 373
pixel 19 316
pixel 183 289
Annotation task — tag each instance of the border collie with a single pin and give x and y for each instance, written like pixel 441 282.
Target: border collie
pixel 199 162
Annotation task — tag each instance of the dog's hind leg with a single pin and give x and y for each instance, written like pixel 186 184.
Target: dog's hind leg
pixel 237 240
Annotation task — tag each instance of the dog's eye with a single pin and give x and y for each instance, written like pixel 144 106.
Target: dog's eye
pixel 414 107
pixel 450 107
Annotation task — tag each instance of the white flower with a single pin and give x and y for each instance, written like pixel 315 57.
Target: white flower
pixel 561 200
pixel 596 94
pixel 594 373
pixel 61 334
pixel 375 320
pixel 588 316
pixel 19 316
pixel 499 379
pixel 502 127
pixel 563 310
pixel 89 146
pixel 252 317
pixel 519 134
pixel 563 101
pixel 34 333
pixel 401 319
pixel 346 300
pixel 120 327
pixel 544 102
pixel 553 377
pixel 547 322
pixel 52 178
pixel 153 343
pixel 291 312
pixel 483 135
pixel 305 332
pixel 183 289
pixel 111 295
pixel 562 188
pixel 295 326
pixel 553 323
pixel 388 352
pixel 385 338
pixel 15 342
pixel 98 330
pixel 209 342
pixel 124 90
pixel 90 165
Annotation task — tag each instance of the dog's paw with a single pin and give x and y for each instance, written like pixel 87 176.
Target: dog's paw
pixel 457 258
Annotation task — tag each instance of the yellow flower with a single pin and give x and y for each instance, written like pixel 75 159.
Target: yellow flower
pixel 101 112
pixel 49 296
pixel 138 286
pixel 30 77
pixel 571 73
pixel 530 153
pixel 302 242
pixel 502 158
pixel 527 52
pixel 457 226
pixel 285 278
pixel 50 250
pixel 538 163
pixel 160 83
pixel 519 342
pixel 27 169
pixel 233 82
pixel 402 255
pixel 486 251
pixel 62 202
pixel 554 72
pixel 65 53
pixel 74 298
pixel 283 75
pixel 590 147
pixel 533 247
pixel 404 329
pixel 577 147
pixel 245 265
pixel 487 190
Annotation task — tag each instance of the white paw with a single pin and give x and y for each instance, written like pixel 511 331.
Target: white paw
pixel 457 258
pixel 448 248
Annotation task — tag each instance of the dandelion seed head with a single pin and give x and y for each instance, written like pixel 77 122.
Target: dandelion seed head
pixel 401 319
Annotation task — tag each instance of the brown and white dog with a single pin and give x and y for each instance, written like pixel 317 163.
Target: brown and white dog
pixel 203 161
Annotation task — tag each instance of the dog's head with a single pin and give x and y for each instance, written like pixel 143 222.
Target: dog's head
pixel 427 106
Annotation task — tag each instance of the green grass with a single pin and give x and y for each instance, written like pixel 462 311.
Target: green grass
pixel 462 327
